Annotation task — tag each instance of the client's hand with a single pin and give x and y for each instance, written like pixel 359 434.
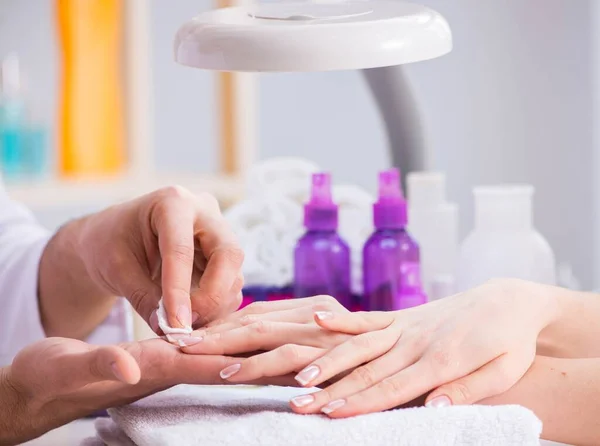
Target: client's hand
pixel 465 348
pixel 58 380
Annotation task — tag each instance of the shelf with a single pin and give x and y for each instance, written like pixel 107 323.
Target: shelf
pixel 59 193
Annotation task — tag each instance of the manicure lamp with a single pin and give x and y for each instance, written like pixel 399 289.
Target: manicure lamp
pixel 377 36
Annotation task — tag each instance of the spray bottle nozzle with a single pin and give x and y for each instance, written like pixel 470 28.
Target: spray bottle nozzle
pixel 389 184
pixel 321 189
pixel 321 212
pixel 390 209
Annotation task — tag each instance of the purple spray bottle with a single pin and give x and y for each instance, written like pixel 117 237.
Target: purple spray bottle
pixel 391 267
pixel 322 257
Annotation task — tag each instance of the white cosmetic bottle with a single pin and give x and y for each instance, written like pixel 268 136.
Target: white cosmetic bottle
pixel 433 222
pixel 504 243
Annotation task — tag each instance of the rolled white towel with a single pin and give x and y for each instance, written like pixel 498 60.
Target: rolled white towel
pixel 289 176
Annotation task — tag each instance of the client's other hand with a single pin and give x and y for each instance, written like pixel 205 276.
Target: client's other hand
pixel 465 348
pixel 57 380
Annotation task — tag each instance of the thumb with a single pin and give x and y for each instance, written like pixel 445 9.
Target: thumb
pixel 353 323
pixel 102 363
pixel 492 379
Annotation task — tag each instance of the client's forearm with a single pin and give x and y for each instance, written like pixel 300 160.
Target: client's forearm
pixel 575 331
pixel 71 305
pixel 564 394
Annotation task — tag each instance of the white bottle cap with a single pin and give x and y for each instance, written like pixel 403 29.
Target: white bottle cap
pixel 442 286
pixel 311 36
pixel 503 207
pixel 426 189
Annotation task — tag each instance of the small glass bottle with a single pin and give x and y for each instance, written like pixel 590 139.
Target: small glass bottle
pixel 391 264
pixel 322 257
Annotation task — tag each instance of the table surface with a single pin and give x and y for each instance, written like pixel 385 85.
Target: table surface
pixel 76 432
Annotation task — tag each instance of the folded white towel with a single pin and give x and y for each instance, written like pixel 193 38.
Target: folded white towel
pixel 258 416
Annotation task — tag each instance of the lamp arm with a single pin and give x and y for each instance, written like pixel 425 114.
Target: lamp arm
pixel 401 116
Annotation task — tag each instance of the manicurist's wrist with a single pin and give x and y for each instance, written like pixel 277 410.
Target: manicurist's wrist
pixel 15 420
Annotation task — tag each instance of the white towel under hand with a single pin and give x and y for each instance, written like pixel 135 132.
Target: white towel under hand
pixel 259 416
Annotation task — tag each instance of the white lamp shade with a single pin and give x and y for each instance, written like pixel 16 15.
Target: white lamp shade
pixel 284 37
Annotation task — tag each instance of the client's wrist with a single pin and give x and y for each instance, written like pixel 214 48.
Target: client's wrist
pixel 549 342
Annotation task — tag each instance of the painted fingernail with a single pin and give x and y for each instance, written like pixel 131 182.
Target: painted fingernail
pixel 439 401
pixel 195 317
pixel 175 338
pixel 184 316
pixel 190 340
pixel 324 315
pixel 153 321
pixel 228 372
pixel 302 400
pixel 334 405
pixel 307 375
pixel 117 372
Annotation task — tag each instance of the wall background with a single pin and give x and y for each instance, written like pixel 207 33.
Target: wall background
pixel 514 102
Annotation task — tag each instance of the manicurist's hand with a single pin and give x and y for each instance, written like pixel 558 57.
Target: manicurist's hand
pixel 168 243
pixel 58 380
pixel 462 349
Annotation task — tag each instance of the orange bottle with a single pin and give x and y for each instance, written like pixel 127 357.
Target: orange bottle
pixel 92 139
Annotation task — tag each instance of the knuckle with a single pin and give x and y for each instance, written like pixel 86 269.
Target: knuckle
pixel 260 327
pixel 363 342
pixel 365 374
pixel 183 252
pixel 248 319
pixel 290 353
pixel 461 392
pixel 393 387
pixel 441 356
pixel 234 255
pixel 238 284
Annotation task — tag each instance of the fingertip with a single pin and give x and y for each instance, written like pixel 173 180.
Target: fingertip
pixel 438 401
pixel 115 364
pixel 126 373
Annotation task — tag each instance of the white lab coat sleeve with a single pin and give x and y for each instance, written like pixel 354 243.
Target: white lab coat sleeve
pixel 22 243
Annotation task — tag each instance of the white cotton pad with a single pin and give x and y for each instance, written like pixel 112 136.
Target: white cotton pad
pixel 163 323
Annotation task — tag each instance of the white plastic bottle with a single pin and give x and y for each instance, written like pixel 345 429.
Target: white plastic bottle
pixel 433 222
pixel 504 243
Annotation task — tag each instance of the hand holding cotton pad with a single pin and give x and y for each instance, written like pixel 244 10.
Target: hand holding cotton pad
pixel 163 323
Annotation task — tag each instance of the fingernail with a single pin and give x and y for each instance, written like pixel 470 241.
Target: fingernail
pixel 195 317
pixel 177 338
pixel 228 372
pixel 153 321
pixel 302 400
pixel 117 372
pixel 184 316
pixel 307 375
pixel 186 342
pixel 439 401
pixel 334 405
pixel 324 315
